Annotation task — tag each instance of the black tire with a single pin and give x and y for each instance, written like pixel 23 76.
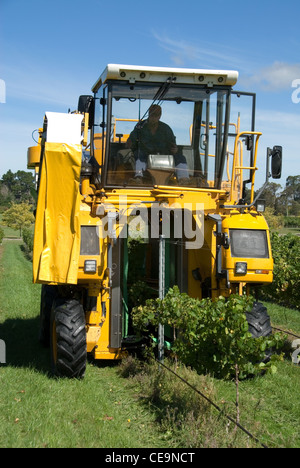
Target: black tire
pixel 260 325
pixel 68 339
pixel 259 321
pixel 48 295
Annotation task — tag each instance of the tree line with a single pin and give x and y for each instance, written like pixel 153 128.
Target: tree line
pixel 284 201
pixel 17 200
pixel 19 187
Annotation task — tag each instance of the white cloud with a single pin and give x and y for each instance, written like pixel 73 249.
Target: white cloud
pixel 206 55
pixel 275 77
pixel 41 89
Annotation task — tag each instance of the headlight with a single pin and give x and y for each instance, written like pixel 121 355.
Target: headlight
pixel 250 243
pixel 90 266
pixel 261 206
pixel 89 241
pixel 241 268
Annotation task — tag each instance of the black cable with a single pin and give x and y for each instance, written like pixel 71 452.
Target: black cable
pixel 287 332
pixel 36 130
pixel 159 96
pixel 211 402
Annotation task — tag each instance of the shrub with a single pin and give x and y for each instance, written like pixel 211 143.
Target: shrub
pixel 274 221
pixel 18 216
pixel 292 221
pixel 285 288
pixel 27 236
pixel 1 235
pixel 211 335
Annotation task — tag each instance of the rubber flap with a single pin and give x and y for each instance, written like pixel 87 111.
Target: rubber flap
pixel 57 227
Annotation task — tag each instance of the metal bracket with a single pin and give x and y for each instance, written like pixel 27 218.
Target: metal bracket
pixel 222 241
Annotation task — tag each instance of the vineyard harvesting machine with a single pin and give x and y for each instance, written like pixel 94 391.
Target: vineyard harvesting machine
pixel 149 183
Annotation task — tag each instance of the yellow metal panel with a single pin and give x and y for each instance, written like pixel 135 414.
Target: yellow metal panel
pixel 57 227
pixel 92 337
pixel 259 270
pixel 251 220
pixel 33 156
pixel 98 147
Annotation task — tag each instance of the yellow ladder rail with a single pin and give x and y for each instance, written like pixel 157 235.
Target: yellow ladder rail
pixel 236 167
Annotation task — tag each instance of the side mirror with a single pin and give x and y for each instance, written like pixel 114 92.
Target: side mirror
pixel 86 105
pixel 276 163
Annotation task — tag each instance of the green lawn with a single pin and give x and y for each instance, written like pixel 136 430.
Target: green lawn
pixel 39 411
pixel 284 318
pixel 110 411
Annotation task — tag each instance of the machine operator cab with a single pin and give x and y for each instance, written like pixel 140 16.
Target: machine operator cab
pixel 161 126
pixel 174 127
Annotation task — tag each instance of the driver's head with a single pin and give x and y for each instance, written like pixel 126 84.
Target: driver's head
pixel 154 112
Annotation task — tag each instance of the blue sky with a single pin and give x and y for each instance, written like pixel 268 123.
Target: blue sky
pixel 53 51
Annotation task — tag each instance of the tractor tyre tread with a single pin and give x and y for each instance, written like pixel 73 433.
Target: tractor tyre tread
pixel 259 321
pixel 70 343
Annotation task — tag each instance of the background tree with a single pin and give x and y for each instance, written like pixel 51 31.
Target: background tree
pixel 271 194
pixel 274 221
pixel 293 184
pixel 18 216
pixel 292 188
pixel 288 201
pixel 17 187
pixel 283 201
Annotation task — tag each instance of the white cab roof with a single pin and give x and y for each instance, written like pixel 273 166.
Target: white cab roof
pixel 134 73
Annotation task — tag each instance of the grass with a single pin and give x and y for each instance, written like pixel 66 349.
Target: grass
pixel 39 411
pixel 285 318
pixel 268 405
pixel 131 405
pixel 288 230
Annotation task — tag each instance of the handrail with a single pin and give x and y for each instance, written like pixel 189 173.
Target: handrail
pixel 236 167
pixel 117 119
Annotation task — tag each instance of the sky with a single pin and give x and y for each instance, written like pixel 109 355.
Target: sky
pixel 53 51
